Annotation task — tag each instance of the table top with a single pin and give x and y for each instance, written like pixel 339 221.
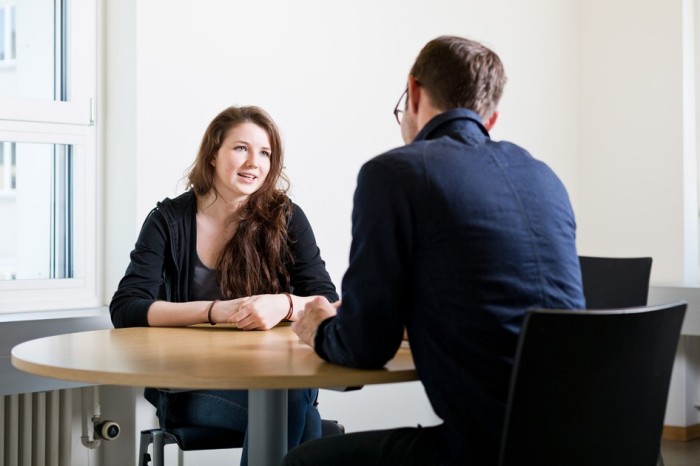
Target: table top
pixel 213 357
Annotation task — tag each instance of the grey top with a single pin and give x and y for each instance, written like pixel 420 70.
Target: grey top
pixel 205 283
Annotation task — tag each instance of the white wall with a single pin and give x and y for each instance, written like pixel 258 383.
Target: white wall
pixel 631 198
pixel 637 182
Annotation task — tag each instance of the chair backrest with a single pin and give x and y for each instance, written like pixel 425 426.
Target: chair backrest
pixel 590 388
pixel 615 282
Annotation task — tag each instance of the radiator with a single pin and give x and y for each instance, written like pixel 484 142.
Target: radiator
pixel 36 429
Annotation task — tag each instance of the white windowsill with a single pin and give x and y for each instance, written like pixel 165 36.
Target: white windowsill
pixel 57 314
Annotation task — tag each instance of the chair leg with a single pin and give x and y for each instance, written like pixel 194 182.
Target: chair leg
pixel 146 440
pixel 158 448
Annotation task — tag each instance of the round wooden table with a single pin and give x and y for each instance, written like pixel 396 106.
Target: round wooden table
pixel 206 357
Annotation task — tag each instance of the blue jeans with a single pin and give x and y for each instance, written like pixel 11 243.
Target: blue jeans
pixel 229 409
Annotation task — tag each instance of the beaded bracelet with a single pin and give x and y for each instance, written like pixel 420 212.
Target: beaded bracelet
pixel 291 306
pixel 211 306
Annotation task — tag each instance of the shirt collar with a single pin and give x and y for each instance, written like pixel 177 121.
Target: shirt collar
pixel 458 119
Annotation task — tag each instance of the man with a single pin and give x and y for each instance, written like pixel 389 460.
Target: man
pixel 455 237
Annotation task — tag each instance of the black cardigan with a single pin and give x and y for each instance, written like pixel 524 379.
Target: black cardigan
pixel 161 266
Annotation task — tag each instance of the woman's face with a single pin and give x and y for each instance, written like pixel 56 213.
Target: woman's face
pixel 242 162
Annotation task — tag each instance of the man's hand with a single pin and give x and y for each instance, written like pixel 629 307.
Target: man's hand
pixel 310 318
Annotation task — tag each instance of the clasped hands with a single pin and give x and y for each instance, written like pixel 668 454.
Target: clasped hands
pixel 259 312
pixel 262 312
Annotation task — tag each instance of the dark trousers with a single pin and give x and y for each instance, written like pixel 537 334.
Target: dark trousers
pixel 407 446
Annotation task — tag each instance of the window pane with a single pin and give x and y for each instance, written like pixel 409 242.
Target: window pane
pixel 12 50
pixel 7 168
pixel 3 28
pixel 36 205
pixel 32 45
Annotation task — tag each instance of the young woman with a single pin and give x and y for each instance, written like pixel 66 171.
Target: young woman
pixel 233 248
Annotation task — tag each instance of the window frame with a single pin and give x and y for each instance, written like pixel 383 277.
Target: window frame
pixel 70 122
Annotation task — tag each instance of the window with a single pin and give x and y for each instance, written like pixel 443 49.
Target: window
pixel 8 168
pixel 48 155
pixel 8 36
pixel 8 236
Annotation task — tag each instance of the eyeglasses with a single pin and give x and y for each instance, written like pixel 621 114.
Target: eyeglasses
pixel 399 110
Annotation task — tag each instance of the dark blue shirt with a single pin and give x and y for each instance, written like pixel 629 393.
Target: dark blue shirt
pixel 455 236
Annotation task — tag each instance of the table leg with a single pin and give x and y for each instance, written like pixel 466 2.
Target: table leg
pixel 267 427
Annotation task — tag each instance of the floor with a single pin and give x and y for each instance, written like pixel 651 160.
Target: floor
pixel 681 453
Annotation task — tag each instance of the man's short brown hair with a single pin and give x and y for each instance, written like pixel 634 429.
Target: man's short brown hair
pixel 458 72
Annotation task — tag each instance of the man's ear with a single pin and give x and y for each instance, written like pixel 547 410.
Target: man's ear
pixel 491 121
pixel 414 94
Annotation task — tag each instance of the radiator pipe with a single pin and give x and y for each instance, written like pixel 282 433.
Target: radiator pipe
pixel 88 428
pixel 96 429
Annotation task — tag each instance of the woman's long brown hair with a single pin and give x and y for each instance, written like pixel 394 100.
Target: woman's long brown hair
pixel 256 259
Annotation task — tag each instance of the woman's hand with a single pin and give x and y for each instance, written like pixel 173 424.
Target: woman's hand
pixel 259 312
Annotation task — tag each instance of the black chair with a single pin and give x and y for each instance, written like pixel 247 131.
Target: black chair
pixel 193 438
pixel 590 388
pixel 615 282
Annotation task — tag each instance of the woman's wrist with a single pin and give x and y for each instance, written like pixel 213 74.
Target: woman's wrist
pixel 290 311
pixel 209 316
